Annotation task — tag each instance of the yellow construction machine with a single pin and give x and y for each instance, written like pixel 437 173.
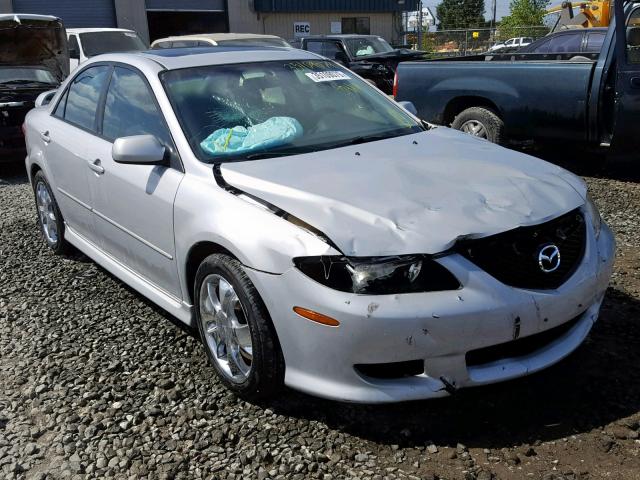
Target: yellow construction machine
pixel 589 14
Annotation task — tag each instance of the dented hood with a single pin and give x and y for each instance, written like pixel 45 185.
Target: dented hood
pixel 413 194
pixel 34 40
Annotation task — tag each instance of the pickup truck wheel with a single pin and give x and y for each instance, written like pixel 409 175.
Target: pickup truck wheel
pixel 480 122
pixel 236 330
pixel 50 219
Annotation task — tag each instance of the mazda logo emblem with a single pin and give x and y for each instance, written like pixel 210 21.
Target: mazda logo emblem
pixel 549 258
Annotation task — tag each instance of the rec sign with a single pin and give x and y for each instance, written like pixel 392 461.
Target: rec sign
pixel 301 29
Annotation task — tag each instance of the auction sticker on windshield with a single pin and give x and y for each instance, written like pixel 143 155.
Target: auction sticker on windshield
pixel 330 76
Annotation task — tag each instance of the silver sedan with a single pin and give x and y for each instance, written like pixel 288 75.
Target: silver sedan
pixel 317 234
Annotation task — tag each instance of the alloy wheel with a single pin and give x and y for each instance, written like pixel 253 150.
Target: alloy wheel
pixel 46 212
pixel 225 327
pixel 475 128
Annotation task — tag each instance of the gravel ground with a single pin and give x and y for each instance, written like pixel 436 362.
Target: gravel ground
pixel 97 382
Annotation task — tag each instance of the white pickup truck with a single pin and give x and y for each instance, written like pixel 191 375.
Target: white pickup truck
pixel 85 43
pixel 512 44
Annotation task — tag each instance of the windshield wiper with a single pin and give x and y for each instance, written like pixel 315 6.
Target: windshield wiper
pixel 258 156
pixel 366 139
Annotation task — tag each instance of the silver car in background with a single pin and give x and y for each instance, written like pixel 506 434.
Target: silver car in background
pixel 316 233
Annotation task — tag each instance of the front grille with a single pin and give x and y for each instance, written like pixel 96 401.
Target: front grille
pixel 519 348
pixel 512 257
pixel 391 370
pixel 14 116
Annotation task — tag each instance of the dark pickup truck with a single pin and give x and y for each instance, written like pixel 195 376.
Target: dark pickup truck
pixel 369 56
pixel 593 100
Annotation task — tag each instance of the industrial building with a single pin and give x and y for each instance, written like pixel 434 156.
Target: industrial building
pixel 289 19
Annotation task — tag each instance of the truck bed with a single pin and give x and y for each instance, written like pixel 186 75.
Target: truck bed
pixel 534 96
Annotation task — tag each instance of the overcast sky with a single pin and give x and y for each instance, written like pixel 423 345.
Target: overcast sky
pixel 502 8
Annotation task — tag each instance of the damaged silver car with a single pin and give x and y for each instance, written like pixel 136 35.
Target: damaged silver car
pixel 317 234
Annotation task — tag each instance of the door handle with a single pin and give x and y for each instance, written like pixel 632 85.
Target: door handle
pixel 635 82
pixel 45 136
pixel 96 166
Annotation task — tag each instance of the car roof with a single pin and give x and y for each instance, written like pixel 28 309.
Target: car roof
pixel 177 58
pixel 27 16
pixel 216 37
pixel 93 30
pixel 578 29
pixel 339 36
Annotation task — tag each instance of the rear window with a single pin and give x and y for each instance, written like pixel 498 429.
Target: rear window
pixel 567 43
pixel 185 43
pixel 96 43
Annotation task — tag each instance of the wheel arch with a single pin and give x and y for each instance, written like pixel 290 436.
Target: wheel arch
pixel 33 169
pixel 195 256
pixel 459 104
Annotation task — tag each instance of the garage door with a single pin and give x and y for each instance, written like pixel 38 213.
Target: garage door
pixel 74 13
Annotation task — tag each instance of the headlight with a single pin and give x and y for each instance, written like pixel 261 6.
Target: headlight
pixel 378 275
pixel 594 215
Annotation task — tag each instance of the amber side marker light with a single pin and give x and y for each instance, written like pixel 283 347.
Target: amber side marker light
pixel 316 317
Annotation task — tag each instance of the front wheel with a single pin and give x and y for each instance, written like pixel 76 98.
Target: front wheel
pixel 480 122
pixel 236 330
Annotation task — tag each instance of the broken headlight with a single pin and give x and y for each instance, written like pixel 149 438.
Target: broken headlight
pixel 378 275
pixel 594 215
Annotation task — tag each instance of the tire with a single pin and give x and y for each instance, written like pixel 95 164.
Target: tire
pixel 265 374
pixel 491 125
pixel 50 219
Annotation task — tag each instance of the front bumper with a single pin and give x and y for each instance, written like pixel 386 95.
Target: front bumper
pixel 438 328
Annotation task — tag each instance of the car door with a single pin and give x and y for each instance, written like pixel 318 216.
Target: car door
pixel 627 89
pixel 71 128
pixel 133 204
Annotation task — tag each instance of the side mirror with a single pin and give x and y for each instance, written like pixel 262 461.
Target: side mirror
pixel 139 149
pixel 45 98
pixel 409 107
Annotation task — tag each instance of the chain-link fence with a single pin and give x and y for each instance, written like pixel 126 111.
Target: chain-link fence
pixel 449 43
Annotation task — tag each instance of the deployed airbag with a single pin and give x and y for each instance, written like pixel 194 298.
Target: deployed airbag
pixel 274 132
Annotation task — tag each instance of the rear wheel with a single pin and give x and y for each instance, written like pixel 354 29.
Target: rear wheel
pixel 50 219
pixel 480 122
pixel 236 330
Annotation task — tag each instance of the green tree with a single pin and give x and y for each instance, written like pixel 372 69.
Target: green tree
pixel 523 15
pixel 460 14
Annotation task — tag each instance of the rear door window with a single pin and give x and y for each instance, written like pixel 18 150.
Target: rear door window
pixel 567 43
pixel 83 96
pixel 595 41
pixel 331 50
pixel 315 47
pixel 542 47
